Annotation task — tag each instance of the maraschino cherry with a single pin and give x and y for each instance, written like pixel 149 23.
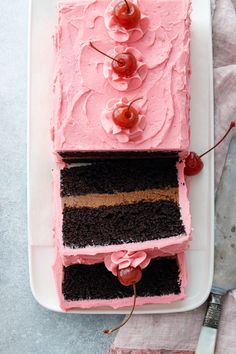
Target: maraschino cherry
pixel 123 64
pixel 127 276
pixel 126 116
pixel 193 162
pixel 127 14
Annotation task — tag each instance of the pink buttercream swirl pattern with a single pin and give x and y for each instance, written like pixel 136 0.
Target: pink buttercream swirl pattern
pixel 120 34
pixel 121 134
pixel 124 259
pixel 125 83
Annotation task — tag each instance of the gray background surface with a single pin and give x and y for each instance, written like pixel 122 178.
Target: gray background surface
pixel 26 327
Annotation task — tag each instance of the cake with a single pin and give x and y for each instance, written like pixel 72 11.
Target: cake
pixel 121 96
pixel 88 286
pixel 87 91
pixel 131 205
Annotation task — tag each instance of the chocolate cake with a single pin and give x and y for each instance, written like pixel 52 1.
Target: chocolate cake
pixel 86 90
pixel 86 286
pixel 121 205
pixel 121 101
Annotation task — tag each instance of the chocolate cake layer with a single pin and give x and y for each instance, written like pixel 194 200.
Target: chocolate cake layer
pixel 161 277
pixel 91 156
pixel 119 176
pixel 114 225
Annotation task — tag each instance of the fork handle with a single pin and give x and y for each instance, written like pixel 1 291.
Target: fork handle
pixel 208 334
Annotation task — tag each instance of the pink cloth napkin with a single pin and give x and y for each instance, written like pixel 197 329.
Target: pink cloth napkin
pixel 175 333
pixel 179 333
pixel 224 44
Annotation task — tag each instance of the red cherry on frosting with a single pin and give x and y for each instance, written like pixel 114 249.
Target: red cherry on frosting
pixel 126 116
pixel 129 276
pixel 127 14
pixel 124 64
pixel 193 162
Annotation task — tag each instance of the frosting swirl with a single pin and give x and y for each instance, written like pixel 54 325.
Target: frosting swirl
pixel 121 134
pixel 124 259
pixel 125 83
pixel 120 34
pixel 80 96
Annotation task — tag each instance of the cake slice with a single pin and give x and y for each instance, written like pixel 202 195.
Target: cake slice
pixel 87 286
pixel 86 91
pixel 129 205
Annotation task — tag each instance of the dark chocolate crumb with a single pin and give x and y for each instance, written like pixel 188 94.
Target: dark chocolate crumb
pixel 114 225
pixel 161 277
pixel 92 156
pixel 119 176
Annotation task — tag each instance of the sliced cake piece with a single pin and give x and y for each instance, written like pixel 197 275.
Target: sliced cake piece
pixel 132 205
pixel 86 286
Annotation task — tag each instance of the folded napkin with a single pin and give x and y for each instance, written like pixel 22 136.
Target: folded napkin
pixel 175 333
pixel 179 333
pixel 224 44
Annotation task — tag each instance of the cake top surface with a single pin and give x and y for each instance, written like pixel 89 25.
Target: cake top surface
pixel 87 91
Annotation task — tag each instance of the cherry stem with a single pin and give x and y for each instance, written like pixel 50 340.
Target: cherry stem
pixel 109 331
pixel 130 104
pixel 232 125
pixel 127 4
pixel 98 50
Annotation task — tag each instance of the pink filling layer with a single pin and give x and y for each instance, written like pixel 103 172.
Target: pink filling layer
pixel 91 255
pixel 117 303
pixel 81 92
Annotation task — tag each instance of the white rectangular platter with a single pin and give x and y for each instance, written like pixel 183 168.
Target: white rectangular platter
pixel 40 162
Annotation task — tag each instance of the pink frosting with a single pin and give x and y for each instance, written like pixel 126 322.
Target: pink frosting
pixel 127 83
pixel 118 302
pixel 120 34
pixel 81 91
pixel 121 134
pixel 124 259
